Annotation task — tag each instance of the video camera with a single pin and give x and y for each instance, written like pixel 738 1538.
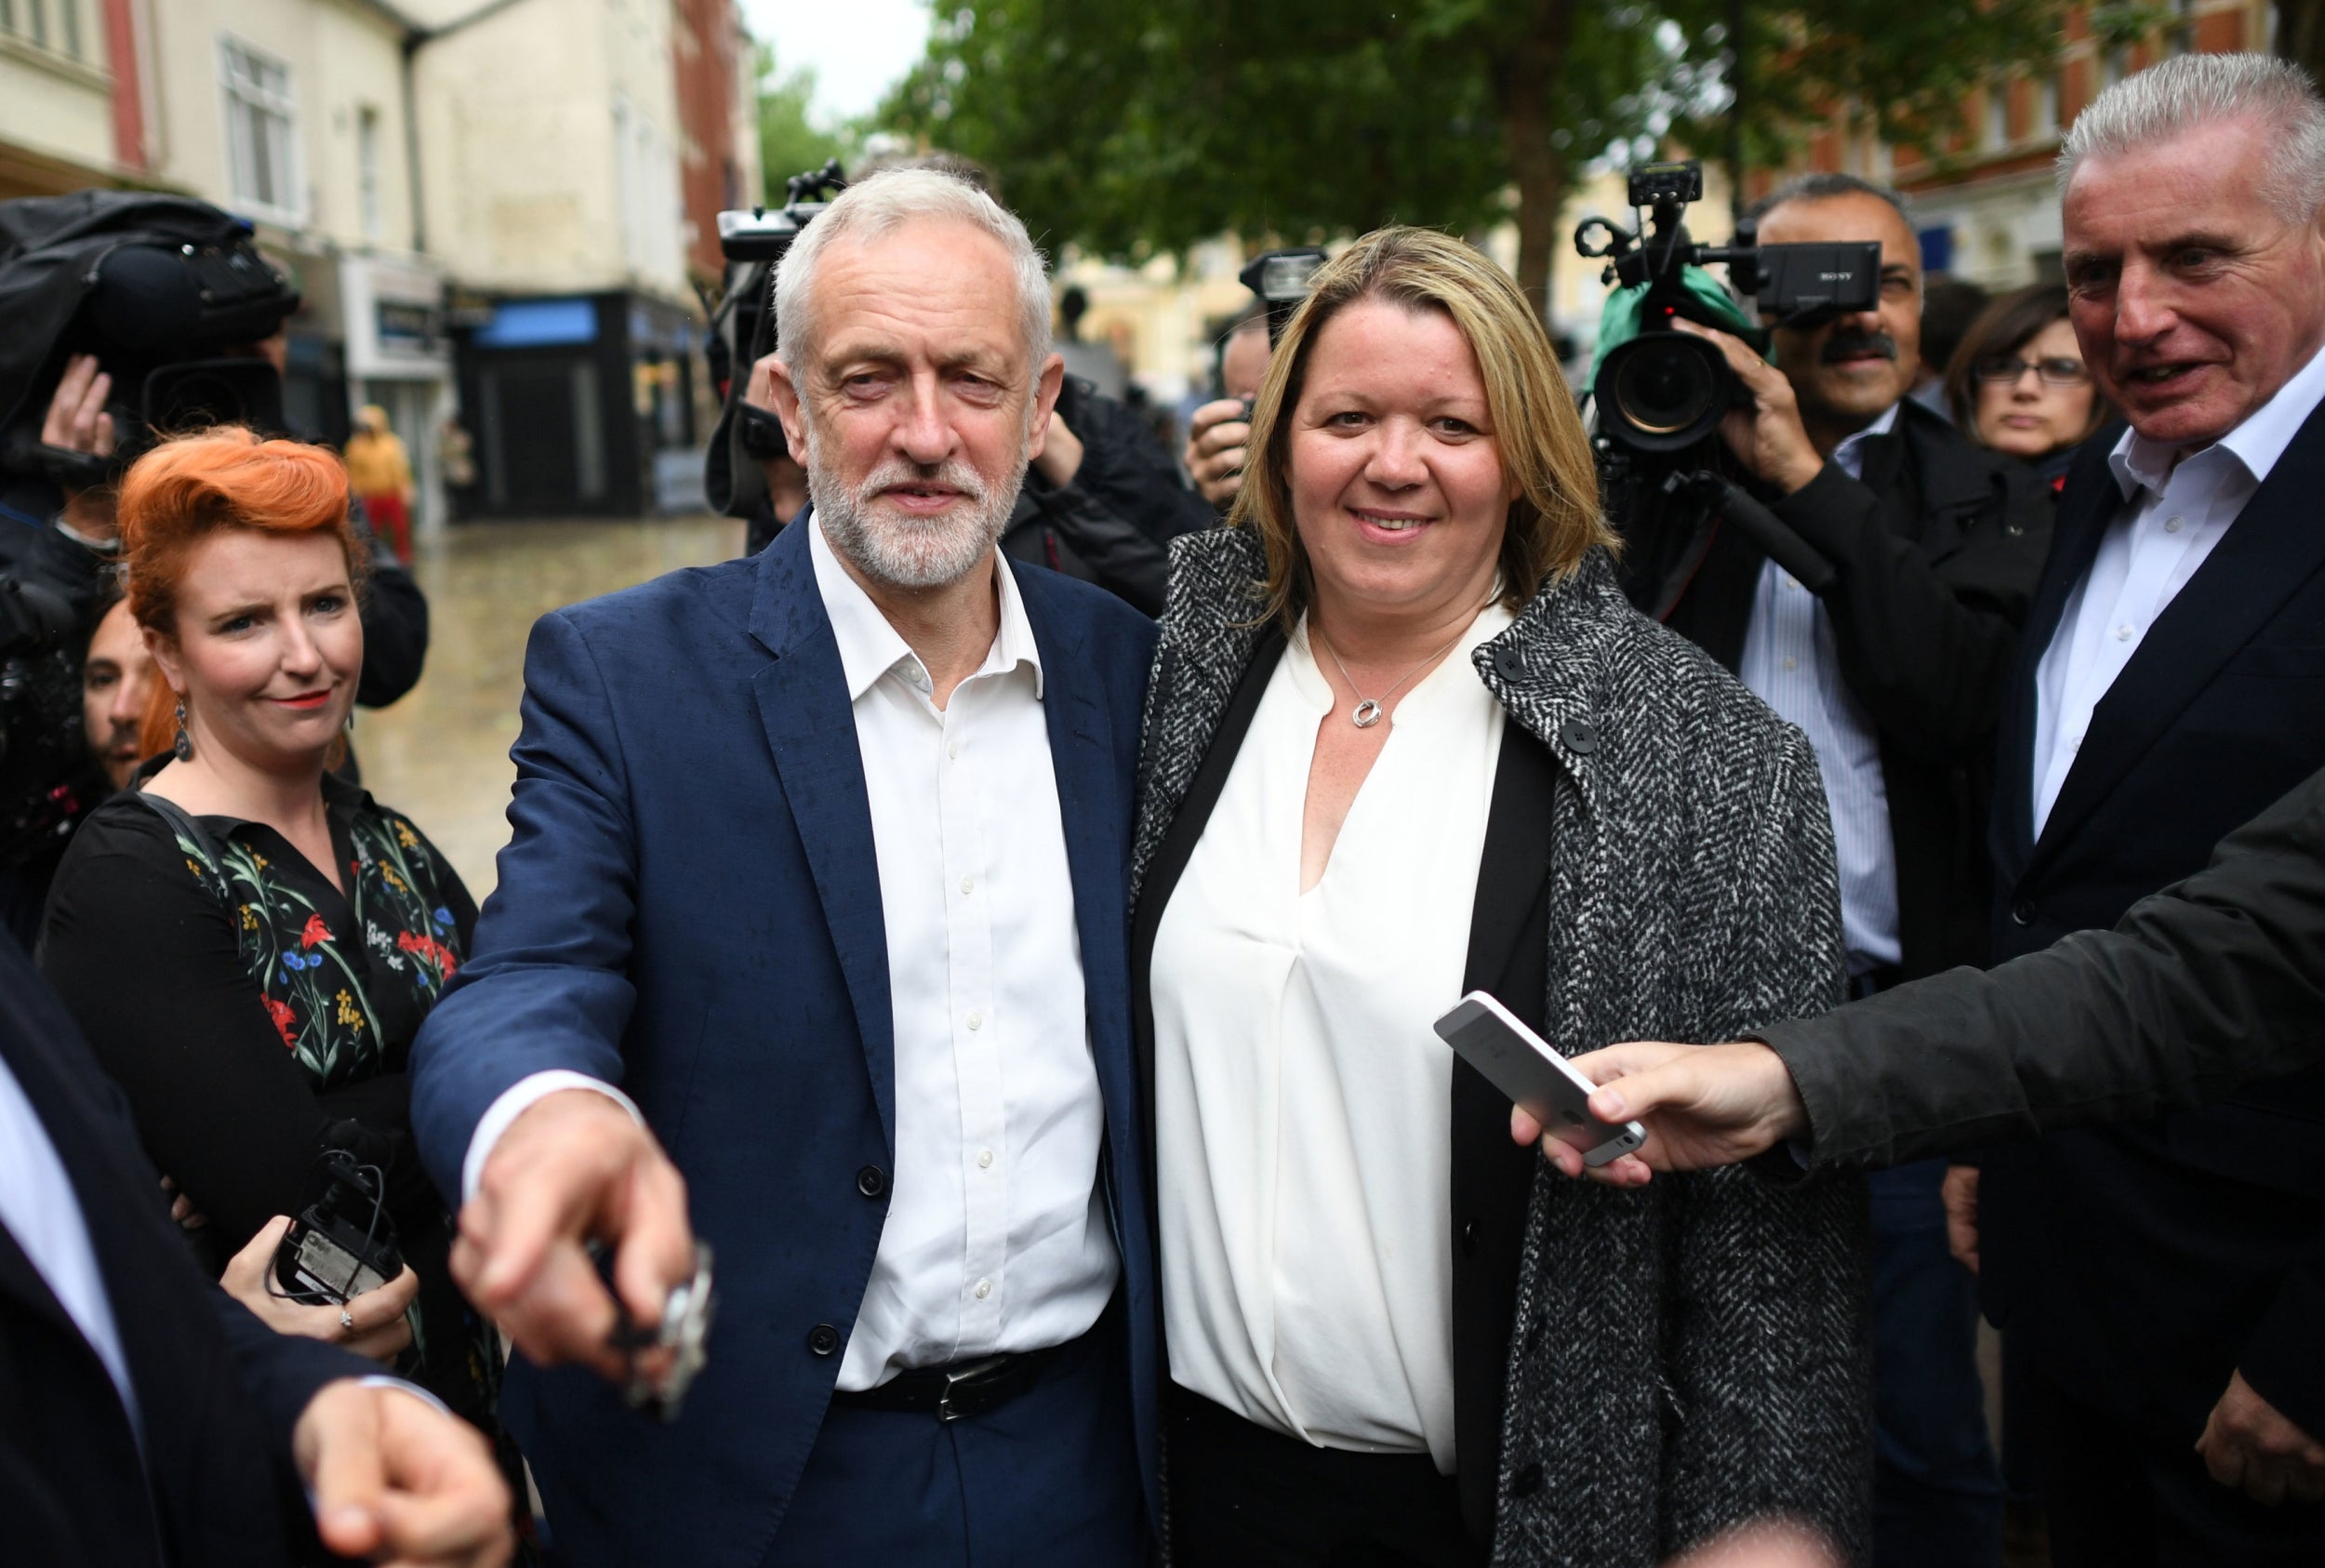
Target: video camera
pixel 1663 391
pixel 742 332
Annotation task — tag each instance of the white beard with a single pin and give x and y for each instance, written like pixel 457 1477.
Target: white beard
pixel 910 551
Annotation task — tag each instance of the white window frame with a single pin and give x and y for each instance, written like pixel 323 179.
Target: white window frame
pixel 1997 130
pixel 2047 104
pixel 371 207
pixel 240 97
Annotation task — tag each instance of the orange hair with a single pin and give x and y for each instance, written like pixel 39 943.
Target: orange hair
pixel 191 486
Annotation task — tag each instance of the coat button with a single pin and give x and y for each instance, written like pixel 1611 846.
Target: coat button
pixel 823 1339
pixel 872 1181
pixel 1579 735
pixel 2022 911
pixel 1509 664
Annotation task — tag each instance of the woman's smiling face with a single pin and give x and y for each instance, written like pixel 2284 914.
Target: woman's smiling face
pixel 1397 483
pixel 269 645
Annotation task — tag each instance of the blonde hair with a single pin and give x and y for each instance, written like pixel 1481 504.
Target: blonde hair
pixel 1555 520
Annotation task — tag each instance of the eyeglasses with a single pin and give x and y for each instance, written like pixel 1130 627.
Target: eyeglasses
pixel 2005 369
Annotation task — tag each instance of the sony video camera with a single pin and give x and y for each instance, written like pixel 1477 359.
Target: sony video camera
pixel 742 332
pixel 1663 390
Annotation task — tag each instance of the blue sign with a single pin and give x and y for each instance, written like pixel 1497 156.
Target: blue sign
pixel 538 323
pixel 1937 249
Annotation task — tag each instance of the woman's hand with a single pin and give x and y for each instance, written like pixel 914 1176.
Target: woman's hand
pixel 1959 1195
pixel 370 1324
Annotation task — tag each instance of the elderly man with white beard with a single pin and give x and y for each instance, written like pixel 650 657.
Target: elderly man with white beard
pixel 812 924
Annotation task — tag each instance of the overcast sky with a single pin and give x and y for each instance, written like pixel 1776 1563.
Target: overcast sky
pixel 858 47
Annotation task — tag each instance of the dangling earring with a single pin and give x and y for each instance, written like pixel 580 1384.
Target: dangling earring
pixel 183 746
pixel 350 726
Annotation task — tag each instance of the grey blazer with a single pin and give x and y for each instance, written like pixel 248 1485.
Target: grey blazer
pixel 1697 1354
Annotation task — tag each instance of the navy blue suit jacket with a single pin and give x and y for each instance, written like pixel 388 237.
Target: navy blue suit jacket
pixel 205 1475
pixel 690 908
pixel 2141 1264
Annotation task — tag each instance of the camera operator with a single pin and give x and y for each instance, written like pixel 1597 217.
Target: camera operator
pixel 1216 432
pixel 1895 673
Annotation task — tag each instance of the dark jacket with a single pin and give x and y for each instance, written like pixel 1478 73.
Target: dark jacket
pixel 217 1392
pixel 690 907
pixel 2208 985
pixel 1657 864
pixel 1937 549
pixel 2141 1265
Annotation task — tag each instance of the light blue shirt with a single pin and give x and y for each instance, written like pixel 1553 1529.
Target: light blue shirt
pixel 1791 663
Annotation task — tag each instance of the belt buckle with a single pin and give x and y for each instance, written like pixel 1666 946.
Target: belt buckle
pixel 968 1379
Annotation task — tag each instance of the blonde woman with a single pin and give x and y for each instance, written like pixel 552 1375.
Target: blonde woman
pixel 1405 738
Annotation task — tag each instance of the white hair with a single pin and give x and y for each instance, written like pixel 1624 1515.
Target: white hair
pixel 2168 100
pixel 882 202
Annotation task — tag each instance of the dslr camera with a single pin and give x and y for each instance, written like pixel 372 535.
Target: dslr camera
pixel 742 332
pixel 1663 391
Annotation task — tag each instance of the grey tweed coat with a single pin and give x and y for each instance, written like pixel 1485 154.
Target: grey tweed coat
pixel 1695 1354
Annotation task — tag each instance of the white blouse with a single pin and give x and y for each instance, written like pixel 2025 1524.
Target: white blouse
pixel 1301 1098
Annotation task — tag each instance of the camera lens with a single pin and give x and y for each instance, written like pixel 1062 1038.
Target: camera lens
pixel 1662 392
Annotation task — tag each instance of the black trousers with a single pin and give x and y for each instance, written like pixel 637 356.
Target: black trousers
pixel 2120 1500
pixel 1242 1496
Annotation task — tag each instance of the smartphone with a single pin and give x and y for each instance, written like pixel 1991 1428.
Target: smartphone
pixel 1523 1066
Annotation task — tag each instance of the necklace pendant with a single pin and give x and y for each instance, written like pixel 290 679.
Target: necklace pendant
pixel 1367 714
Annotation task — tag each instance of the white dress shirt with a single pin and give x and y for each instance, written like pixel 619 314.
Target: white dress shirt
pixel 1300 1093
pixel 1792 663
pixel 2174 514
pixel 43 1212
pixel 997 1237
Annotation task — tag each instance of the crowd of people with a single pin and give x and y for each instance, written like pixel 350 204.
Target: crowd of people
pixel 989 935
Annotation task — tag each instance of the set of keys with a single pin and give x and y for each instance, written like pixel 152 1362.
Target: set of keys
pixel 685 1330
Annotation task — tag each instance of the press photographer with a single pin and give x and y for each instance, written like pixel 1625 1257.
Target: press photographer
pixel 1909 558
pixel 145 315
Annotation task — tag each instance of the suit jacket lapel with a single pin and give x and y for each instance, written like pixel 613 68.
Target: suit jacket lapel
pixel 2269 553
pixel 2089 502
pixel 1092 813
pixel 811 733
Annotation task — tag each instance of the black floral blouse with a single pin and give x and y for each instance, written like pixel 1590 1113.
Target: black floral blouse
pixel 256 1016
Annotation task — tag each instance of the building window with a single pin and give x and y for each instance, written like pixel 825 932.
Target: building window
pixel 2047 105
pixel 260 128
pixel 367 169
pixel 2114 64
pixel 50 24
pixel 1997 115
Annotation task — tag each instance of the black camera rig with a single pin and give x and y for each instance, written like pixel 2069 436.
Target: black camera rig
pixel 742 332
pixel 1665 391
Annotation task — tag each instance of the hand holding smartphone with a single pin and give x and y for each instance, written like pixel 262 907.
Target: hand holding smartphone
pixel 1526 1068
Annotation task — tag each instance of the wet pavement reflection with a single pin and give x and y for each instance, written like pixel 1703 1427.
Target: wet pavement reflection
pixel 440 756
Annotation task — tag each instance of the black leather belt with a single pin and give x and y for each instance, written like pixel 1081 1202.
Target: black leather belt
pixel 950 1393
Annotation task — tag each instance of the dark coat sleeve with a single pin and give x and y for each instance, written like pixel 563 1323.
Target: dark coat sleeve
pixel 1129 472
pixel 1121 559
pixel 1926 634
pixel 395 631
pixel 1771 1371
pixel 2211 982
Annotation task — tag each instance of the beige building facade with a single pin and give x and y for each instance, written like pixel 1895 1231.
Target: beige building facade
pixel 57 123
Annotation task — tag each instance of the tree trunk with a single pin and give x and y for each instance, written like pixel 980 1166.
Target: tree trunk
pixel 2301 34
pixel 1525 77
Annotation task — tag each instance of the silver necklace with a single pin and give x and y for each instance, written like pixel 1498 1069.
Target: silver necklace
pixel 1368 710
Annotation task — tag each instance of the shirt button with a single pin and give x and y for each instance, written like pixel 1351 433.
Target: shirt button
pixel 1791 664
pixel 1791 581
pixel 2123 633
pixel 984 1289
pixel 976 1020
pixel 984 1159
pixel 952 748
pixel 2171 524
pixel 968 884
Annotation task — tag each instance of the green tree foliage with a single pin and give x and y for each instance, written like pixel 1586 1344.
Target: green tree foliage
pixel 789 142
pixel 1136 129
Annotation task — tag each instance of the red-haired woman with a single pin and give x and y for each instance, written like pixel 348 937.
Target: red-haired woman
pixel 249 942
